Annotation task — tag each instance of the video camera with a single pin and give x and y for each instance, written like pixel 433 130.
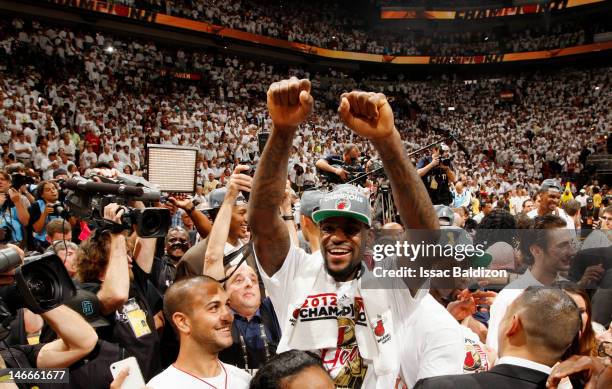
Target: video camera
pixel 41 284
pixel 17 181
pixel 87 199
pixel 447 161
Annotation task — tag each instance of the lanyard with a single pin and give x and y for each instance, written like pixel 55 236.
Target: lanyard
pixel 264 338
pixel 199 379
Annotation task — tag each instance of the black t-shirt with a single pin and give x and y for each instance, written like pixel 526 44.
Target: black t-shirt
pixel 22 356
pixel 354 169
pixel 145 348
pixel 436 182
pixel 588 217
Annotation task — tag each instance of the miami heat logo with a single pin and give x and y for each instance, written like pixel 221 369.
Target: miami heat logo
pixel 379 330
pixel 343 205
pixel 472 361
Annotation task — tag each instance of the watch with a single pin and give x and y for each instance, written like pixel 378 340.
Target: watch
pixel 190 210
pixel 288 217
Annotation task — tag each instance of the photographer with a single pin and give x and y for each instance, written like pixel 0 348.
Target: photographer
pixel 45 209
pixel 76 339
pixel 338 169
pixel 121 283
pixel 437 174
pixel 14 208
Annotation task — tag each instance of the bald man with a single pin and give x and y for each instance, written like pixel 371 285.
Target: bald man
pixel 198 310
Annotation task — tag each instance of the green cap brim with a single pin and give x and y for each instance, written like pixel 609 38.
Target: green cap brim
pixel 321 215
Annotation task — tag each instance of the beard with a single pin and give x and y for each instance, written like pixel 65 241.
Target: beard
pixel 342 274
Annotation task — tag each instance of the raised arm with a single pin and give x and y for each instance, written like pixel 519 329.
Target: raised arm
pixel 200 221
pixel 115 288
pixel 289 104
pixel 370 115
pixel 76 339
pixel 213 259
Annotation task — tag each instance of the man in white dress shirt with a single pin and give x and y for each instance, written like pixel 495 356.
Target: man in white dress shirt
pixel 548 249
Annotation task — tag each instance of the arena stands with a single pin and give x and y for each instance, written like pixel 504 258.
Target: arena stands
pixel 254 264
pixel 319 26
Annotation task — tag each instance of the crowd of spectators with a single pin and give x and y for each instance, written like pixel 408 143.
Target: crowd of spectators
pixel 105 98
pixel 322 26
pixel 73 101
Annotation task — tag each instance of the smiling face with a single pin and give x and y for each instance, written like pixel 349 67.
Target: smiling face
pixel 210 321
pixel 341 244
pixel 239 227
pixel 549 201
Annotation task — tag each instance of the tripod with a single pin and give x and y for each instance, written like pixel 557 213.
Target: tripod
pixel 383 201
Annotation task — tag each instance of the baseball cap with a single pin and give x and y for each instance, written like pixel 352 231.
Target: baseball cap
pixel 550 183
pixel 589 200
pixel 310 202
pixel 344 201
pixel 86 303
pixel 215 198
pixel 583 191
pixel 59 172
pixel 446 216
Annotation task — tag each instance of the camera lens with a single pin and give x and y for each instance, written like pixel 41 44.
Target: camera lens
pixel 42 287
pixel 151 221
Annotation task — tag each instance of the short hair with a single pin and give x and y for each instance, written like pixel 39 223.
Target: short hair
pixel 58 226
pixel 178 297
pixel 497 226
pixel 282 369
pixel 525 202
pixel 537 234
pixel 349 147
pixel 15 168
pixel 608 209
pixel 571 207
pixel 173 229
pixel 64 245
pixel 552 319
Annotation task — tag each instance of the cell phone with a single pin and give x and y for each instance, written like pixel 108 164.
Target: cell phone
pixel 134 380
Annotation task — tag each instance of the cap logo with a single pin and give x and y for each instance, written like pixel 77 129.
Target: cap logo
pixel 343 205
pixel 87 308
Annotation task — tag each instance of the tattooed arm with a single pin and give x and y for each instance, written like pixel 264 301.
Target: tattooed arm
pixel 370 115
pixel 289 104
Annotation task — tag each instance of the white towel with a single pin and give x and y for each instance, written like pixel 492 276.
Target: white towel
pixel 374 335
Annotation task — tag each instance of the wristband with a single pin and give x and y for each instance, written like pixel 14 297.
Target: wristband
pixel 289 217
pixel 190 210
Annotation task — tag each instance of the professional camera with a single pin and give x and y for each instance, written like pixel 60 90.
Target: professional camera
pixel 19 180
pixel 41 283
pixel 447 161
pixel 58 208
pixel 87 199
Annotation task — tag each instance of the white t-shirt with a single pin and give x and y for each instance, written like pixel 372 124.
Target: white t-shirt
pixel 174 378
pixel 434 344
pixel 298 274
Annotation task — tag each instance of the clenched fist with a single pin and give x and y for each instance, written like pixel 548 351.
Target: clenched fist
pixel 289 102
pixel 367 114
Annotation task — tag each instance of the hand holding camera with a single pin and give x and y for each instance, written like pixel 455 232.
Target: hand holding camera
pixel 14 195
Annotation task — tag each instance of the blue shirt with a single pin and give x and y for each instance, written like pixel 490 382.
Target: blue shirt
pixel 251 332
